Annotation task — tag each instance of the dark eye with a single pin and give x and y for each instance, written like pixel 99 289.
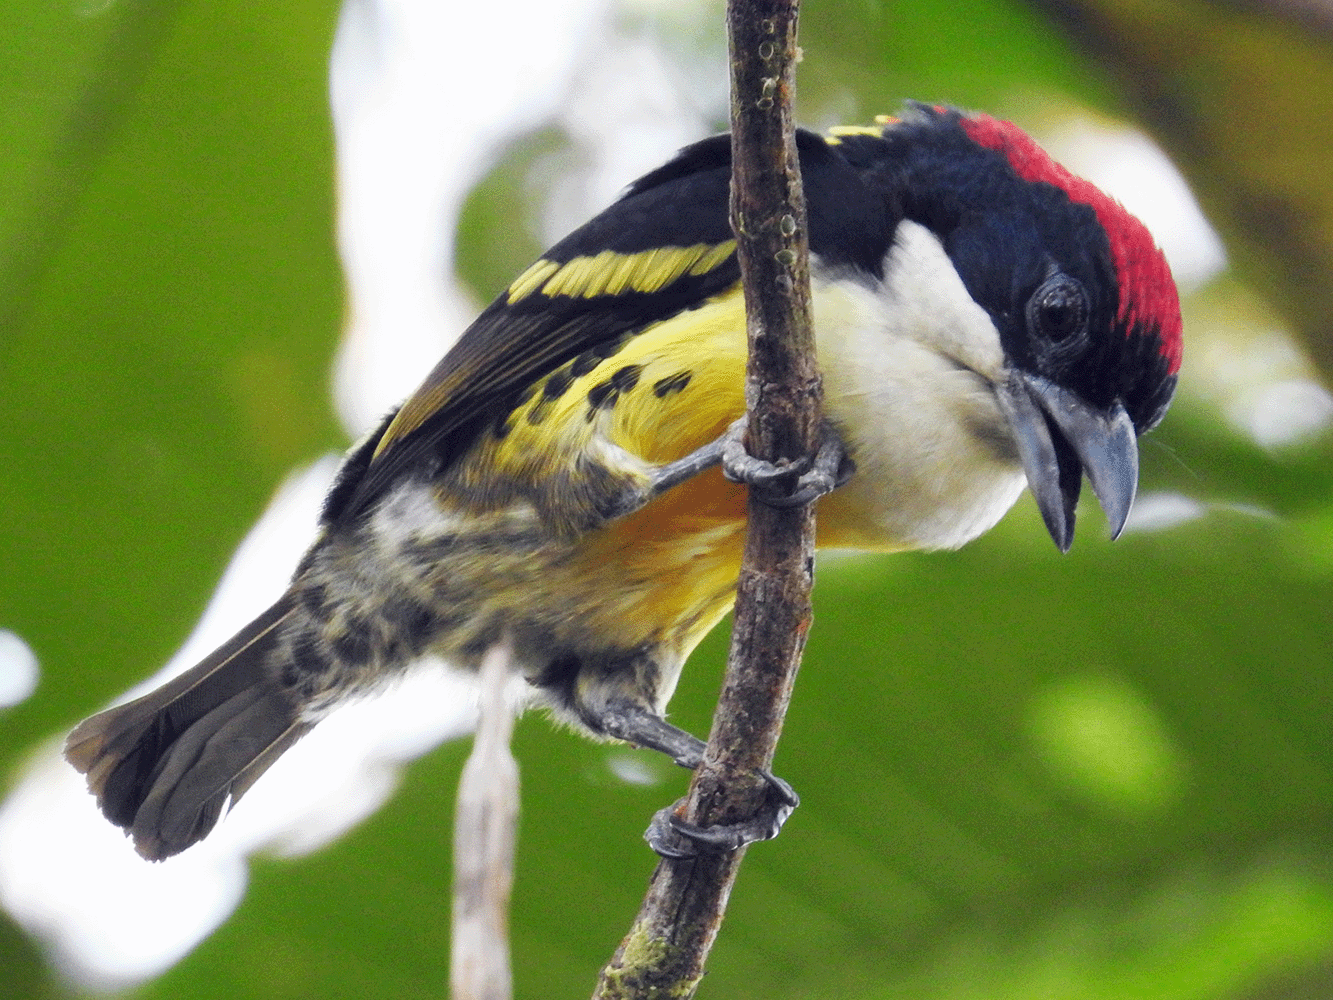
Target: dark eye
pixel 1058 310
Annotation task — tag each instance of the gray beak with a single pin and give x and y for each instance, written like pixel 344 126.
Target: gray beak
pixel 1060 438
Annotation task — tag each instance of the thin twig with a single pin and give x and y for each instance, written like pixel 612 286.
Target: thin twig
pixel 665 950
pixel 484 834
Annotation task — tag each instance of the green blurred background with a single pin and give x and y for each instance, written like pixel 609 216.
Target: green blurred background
pixel 1106 775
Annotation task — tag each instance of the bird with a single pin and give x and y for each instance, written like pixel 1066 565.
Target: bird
pixel 570 477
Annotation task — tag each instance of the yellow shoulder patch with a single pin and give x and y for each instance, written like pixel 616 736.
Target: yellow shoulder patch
pixel 611 273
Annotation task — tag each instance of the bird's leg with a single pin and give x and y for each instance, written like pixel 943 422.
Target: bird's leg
pixel 779 484
pixel 635 724
pixel 674 473
pixel 668 834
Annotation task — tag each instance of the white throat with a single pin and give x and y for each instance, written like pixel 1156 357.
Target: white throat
pixel 909 363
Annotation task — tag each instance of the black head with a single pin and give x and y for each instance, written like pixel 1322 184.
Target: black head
pixel 1083 300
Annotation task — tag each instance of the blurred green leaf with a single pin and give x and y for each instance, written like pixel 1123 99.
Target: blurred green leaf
pixel 169 299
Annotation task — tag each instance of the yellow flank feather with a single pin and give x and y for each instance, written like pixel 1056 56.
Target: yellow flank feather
pixel 676 560
pixel 685 547
pixel 689 387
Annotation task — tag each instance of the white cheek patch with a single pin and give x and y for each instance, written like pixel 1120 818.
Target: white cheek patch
pixel 909 366
pixel 925 299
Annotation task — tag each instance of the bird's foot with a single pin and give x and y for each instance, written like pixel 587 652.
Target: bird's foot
pixel 787 483
pixel 672 837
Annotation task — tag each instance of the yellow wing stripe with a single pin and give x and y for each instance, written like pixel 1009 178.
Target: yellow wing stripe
pixel 531 279
pixel 713 258
pixel 836 133
pixel 611 273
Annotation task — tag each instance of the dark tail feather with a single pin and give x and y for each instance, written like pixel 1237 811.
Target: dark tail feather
pixel 163 766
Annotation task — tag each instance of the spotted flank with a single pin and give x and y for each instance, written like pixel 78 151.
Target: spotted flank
pixel 610 273
pixel 640 393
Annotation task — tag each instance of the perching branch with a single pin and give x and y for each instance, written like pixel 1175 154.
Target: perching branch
pixel 484 833
pixel 665 950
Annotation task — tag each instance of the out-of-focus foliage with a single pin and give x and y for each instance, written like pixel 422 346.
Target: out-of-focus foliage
pixel 169 297
pixel 1106 775
pixel 1241 95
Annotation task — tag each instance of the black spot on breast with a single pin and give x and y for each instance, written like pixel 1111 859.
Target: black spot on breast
pixel 603 395
pixel 558 384
pixel 664 387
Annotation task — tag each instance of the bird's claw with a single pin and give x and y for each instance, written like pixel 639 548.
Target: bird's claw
pixel 672 837
pixel 787 483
